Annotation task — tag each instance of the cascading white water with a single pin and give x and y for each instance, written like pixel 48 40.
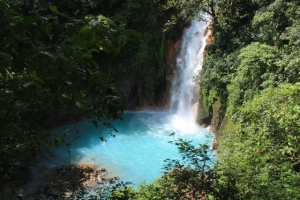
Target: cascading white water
pixel 185 92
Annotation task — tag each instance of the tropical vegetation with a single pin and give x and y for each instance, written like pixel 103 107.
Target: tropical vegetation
pixel 59 61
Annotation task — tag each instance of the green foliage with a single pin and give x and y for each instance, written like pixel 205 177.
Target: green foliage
pixel 187 10
pixel 159 189
pixel 123 193
pixel 255 50
pixel 141 17
pixel 193 175
pixel 258 69
pixel 49 76
pixel 270 21
pixel 215 76
pixel 260 145
pixel 258 66
pixel 58 64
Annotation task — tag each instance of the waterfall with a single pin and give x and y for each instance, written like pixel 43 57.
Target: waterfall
pixel 141 145
pixel 185 91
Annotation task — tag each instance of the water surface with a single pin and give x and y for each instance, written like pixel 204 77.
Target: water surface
pixel 136 152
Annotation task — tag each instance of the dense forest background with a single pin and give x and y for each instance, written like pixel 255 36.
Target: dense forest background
pixel 60 62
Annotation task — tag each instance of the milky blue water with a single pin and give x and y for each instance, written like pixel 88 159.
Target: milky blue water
pixel 138 149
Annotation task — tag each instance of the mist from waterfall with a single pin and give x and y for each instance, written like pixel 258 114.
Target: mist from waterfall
pixel 185 91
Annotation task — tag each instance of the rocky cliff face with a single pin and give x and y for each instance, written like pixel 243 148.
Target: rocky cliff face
pixel 172 49
pixel 143 89
pixel 138 89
